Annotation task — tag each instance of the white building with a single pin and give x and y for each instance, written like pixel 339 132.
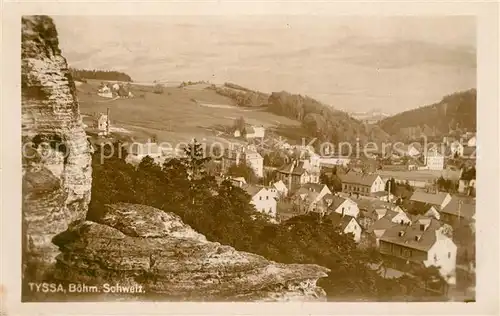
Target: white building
pixel 334 161
pixel 343 206
pixel 255 132
pixel 434 160
pixel 263 199
pixel 102 122
pixel 457 148
pixel 347 225
pixel 424 241
pixel 281 188
pixel 256 162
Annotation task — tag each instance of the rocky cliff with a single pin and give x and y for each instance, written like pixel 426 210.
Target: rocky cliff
pixel 57 171
pixel 135 245
pixel 130 244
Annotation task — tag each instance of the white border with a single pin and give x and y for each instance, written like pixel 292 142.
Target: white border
pixel 488 190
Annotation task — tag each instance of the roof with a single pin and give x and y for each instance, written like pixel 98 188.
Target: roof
pixel 467 209
pixel 429 198
pixel 339 220
pixel 372 204
pixel 469 151
pixel 381 224
pixel 336 202
pixel 315 187
pixel 380 194
pixel 298 168
pixel 426 240
pixel 356 178
pixel 252 189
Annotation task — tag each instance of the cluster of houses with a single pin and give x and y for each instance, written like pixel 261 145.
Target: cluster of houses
pixel 364 208
pixel 107 90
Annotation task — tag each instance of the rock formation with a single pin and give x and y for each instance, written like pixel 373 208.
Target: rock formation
pixel 130 244
pixel 57 172
pixel 140 245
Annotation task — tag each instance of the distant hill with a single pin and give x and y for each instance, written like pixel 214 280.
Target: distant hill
pixel 370 117
pixel 323 121
pixel 454 112
pixel 241 95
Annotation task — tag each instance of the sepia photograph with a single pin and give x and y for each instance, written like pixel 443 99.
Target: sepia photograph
pixel 249 158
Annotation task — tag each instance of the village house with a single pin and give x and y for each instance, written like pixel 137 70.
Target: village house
pixel 105 92
pixel 424 243
pixel 293 175
pixel 255 132
pixel 103 123
pixel 280 188
pixel 458 211
pixel 434 160
pixel 238 181
pixel 262 199
pixel 309 198
pixel 379 219
pixel 342 205
pixel 347 225
pixel 456 149
pixel 256 162
pixel 365 185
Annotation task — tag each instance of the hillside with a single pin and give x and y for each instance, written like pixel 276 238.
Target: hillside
pixel 202 111
pixel 455 111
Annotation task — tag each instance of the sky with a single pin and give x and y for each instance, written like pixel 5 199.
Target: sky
pixel 355 64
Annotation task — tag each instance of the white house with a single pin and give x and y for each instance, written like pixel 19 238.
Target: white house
pixel 263 199
pixel 434 160
pixel 424 241
pixel 237 133
pixel 457 148
pixel 343 206
pixel 256 162
pixel 347 225
pixel 280 188
pixel 356 183
pixel 102 122
pixel 255 132
pixel 105 92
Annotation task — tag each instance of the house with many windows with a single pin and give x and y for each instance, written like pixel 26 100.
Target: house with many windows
pixel 362 184
pixel 424 243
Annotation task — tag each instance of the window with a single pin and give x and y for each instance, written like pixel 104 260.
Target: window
pixel 422 227
pixel 435 258
pixel 449 255
pixel 260 197
pixel 267 197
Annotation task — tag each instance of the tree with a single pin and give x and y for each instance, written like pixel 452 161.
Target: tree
pixel 242 170
pixel 240 125
pixel 391 183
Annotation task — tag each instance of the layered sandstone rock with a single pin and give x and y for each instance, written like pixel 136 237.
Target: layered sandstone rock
pixel 56 158
pixel 140 245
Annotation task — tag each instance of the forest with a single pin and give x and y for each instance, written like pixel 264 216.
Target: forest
pixel 455 112
pixel 111 75
pixel 222 213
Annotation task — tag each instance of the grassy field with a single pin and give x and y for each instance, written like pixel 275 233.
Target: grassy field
pixel 177 115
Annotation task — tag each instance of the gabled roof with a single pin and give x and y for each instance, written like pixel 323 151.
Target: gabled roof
pixel 469 151
pixel 339 220
pixel 427 238
pixel 336 202
pixel 381 224
pixel 429 198
pixel 298 168
pixel 467 209
pixel 356 178
pixel 315 187
pixel 252 189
